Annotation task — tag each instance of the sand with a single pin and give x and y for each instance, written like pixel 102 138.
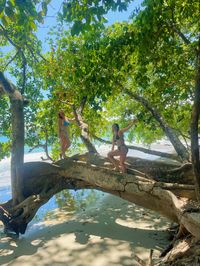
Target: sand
pixel 107 233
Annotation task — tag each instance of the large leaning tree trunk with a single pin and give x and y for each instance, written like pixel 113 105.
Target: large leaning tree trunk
pixel 169 132
pixel 195 127
pixel 17 158
pixel 42 180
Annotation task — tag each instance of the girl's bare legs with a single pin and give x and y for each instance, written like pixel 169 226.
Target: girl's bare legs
pixel 122 162
pixel 65 144
pixel 111 155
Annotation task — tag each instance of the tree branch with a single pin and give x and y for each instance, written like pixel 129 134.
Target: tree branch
pixel 174 26
pixel 153 152
pixel 180 34
pixel 73 174
pixel 10 61
pixel 178 145
pixel 24 64
pixel 6 85
pixel 5 33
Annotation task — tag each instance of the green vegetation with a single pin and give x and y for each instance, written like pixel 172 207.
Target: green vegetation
pixel 148 68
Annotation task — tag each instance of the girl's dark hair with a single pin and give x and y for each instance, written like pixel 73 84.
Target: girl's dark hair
pixel 59 115
pixel 116 126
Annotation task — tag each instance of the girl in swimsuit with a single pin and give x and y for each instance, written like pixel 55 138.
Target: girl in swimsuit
pixel 118 139
pixel 63 132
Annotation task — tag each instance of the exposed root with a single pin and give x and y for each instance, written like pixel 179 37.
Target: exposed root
pixel 185 252
pixel 142 262
pixel 180 233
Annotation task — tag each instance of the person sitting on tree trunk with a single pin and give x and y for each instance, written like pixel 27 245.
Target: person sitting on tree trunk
pixel 63 132
pixel 118 139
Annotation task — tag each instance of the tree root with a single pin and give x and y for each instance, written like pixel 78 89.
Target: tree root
pixel 142 262
pixel 10 225
pixel 182 232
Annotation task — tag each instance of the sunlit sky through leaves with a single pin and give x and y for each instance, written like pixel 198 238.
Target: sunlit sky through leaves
pixel 56 6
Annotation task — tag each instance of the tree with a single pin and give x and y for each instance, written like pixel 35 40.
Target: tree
pixel 17 24
pixel 115 65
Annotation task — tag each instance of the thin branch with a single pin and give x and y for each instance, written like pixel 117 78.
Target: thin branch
pixel 44 147
pixel 10 61
pixel 66 102
pixel 175 27
pixel 180 34
pixel 35 147
pixel 37 52
pixel 153 152
pixel 82 105
pixel 19 48
pixel 24 64
pixel 8 38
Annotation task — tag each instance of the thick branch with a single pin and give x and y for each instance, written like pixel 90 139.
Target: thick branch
pixel 8 87
pixel 178 146
pixel 76 174
pixel 139 190
pixel 83 126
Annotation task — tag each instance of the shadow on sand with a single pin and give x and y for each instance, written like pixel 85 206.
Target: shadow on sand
pixel 104 235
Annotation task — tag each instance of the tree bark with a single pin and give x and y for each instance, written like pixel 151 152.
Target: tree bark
pixel 43 180
pixel 17 157
pixel 195 127
pixel 83 126
pixel 169 132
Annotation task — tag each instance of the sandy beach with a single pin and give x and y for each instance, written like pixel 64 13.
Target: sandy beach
pixel 108 233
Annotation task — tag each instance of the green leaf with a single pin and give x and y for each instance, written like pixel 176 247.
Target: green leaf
pixel 9 12
pixel 44 7
pixel 2 5
pixel 76 28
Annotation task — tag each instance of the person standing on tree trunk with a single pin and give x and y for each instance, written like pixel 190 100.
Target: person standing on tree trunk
pixel 122 149
pixel 63 132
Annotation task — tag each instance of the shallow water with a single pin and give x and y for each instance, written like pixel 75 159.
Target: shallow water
pixel 68 201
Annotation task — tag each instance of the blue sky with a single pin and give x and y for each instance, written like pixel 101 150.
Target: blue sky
pixel 50 21
pixel 56 5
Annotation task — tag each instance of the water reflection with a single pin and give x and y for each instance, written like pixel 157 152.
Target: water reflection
pixel 67 203
pixel 62 205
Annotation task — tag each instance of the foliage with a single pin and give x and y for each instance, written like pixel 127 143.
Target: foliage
pixel 153 56
pixel 20 53
pixel 86 15
pixel 23 14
